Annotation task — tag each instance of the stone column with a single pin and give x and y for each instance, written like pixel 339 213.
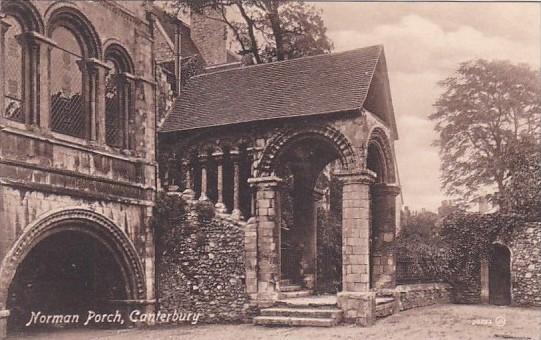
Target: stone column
pixel 128 86
pixel 4 314
pixel 203 160
pixel 188 192
pixel 97 71
pixel 383 197
pixel 44 82
pixel 356 230
pixel 4 26
pixel 357 302
pixel 219 158
pixel 268 237
pixel 235 157
pixel 30 42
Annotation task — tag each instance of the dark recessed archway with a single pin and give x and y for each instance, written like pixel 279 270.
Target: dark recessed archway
pixel 500 275
pixel 301 165
pixel 67 273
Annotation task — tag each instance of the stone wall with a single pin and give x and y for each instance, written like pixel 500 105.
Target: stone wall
pixel 201 266
pixel 525 245
pixel 423 294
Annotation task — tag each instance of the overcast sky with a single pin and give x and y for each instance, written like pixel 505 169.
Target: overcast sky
pixel 424 43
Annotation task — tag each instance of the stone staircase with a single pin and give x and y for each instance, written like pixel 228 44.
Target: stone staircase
pixel 289 290
pixel 297 307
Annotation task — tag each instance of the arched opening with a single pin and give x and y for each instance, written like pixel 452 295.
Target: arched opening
pixel 382 212
pixel 67 90
pixel 374 162
pixel 499 275
pixel 70 261
pixel 19 77
pixel 306 166
pixel 118 96
pixel 72 79
pixel 69 272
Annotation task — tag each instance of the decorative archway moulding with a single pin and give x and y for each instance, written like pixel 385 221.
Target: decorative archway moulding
pixel 346 152
pixel 380 140
pixel 81 220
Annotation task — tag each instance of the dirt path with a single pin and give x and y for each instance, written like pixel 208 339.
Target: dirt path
pixel 435 322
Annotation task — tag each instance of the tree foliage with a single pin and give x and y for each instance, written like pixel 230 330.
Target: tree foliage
pixel 267 30
pixel 488 117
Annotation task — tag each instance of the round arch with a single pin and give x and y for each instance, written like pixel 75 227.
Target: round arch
pixel 115 51
pixel 328 134
pixel 67 15
pixel 379 145
pixel 80 220
pixel 25 13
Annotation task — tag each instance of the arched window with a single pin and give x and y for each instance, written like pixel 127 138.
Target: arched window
pixel 13 70
pixel 66 84
pixel 118 93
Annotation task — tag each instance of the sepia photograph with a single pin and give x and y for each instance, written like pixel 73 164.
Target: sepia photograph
pixel 270 169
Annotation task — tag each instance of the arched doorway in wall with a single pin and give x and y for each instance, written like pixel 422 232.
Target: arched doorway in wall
pixel 499 271
pixel 69 263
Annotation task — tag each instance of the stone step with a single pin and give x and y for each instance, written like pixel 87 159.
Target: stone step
pixel 320 302
pixel 295 294
pixel 331 313
pixel 294 321
pixel 290 288
pixel 285 282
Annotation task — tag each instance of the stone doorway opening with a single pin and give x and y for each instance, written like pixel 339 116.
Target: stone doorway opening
pixel 306 168
pixel 499 270
pixel 69 272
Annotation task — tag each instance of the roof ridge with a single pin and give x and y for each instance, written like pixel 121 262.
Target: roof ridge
pixel 281 62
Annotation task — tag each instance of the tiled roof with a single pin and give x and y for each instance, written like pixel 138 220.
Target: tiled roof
pixel 301 87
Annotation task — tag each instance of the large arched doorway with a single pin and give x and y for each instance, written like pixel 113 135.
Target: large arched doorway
pixel 69 263
pixel 499 275
pixel 66 273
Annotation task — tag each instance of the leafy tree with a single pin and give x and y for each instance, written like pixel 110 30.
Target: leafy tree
pixel 488 116
pixel 423 225
pixel 267 30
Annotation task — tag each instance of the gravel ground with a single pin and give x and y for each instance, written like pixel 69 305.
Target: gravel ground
pixel 434 322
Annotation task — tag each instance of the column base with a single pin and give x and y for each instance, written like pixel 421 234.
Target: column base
pixel 4 314
pixel 220 208
pixel 188 195
pixel 236 214
pixel 358 308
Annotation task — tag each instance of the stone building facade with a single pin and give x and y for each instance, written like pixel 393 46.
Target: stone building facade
pixel 237 137
pixel 84 88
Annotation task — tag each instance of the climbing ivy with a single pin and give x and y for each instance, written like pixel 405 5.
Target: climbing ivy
pixel 468 238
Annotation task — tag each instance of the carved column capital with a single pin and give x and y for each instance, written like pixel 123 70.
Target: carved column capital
pixel 362 176
pixel 383 189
